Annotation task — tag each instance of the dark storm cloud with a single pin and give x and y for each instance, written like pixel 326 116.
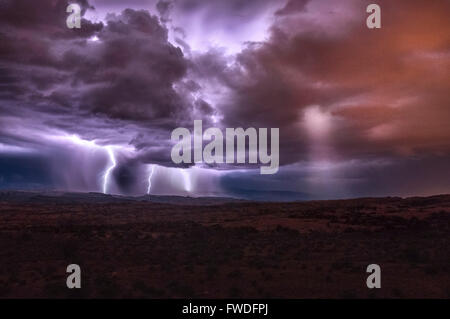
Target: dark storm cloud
pixel 46 18
pixel 382 91
pixel 164 8
pixel 128 83
pixel 135 68
pixel 292 7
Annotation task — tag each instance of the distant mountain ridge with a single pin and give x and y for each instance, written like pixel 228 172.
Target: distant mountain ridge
pixel 72 198
pixel 60 197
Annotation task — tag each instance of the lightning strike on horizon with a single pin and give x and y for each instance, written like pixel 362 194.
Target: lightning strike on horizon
pixel 152 169
pixel 108 171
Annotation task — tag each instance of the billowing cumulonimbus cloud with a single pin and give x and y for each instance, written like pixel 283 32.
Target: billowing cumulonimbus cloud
pixel 117 82
pixel 378 92
pixel 129 75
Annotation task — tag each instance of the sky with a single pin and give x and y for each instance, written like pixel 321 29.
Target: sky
pixel 361 112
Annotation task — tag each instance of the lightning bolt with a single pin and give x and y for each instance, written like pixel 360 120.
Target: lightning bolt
pixel 152 169
pixel 109 169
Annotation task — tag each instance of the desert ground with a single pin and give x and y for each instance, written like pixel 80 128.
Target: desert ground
pixel 199 249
